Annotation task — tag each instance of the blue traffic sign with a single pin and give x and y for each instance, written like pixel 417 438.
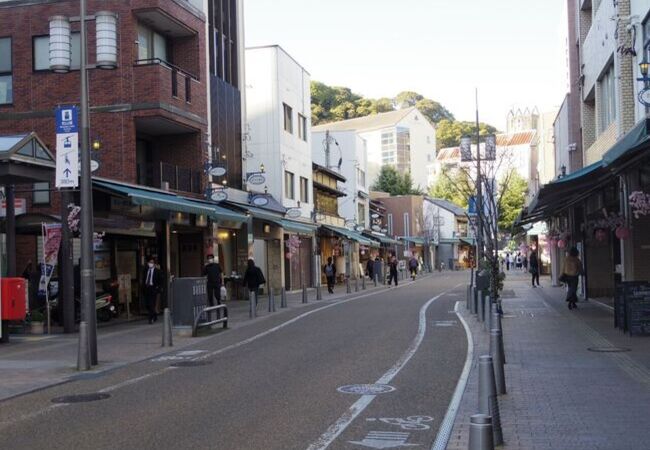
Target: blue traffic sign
pixel 66 119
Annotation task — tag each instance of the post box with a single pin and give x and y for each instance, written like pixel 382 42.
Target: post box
pixel 13 291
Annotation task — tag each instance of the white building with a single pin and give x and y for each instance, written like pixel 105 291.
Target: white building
pixel 278 108
pixel 346 154
pixel 404 139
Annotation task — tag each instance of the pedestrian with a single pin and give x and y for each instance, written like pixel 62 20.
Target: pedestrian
pixel 508 262
pixel 413 266
pixel 524 261
pixel 330 273
pixel 571 272
pixel 370 265
pixel 253 279
pixel 534 267
pixel 392 273
pixel 214 274
pixel 377 270
pixel 518 261
pixel 152 283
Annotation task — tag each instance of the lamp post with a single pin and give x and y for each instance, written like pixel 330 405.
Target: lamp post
pixel 60 59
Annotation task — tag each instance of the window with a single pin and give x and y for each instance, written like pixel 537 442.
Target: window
pixel 6 76
pixel 389 220
pixel 361 218
pixel 288 118
pixel 41 194
pixel 607 104
pixel 41 52
pixel 222 22
pixel 304 190
pixel 361 177
pixel 407 225
pixel 289 190
pixel 151 45
pixel 302 127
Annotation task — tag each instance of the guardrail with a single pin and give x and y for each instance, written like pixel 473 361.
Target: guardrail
pixel 209 323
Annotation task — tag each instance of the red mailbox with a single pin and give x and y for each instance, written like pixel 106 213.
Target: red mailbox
pixel 13 292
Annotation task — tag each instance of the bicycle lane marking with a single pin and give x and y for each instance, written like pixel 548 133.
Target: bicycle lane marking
pixel 349 416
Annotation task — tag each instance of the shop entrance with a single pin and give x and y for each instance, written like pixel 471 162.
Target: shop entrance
pixel 187 254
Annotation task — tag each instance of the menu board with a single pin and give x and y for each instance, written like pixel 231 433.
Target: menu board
pixel 632 307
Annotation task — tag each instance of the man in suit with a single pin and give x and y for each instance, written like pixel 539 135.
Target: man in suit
pixel 152 283
pixel 212 271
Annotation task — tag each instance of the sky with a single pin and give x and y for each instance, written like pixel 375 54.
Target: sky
pixel 512 51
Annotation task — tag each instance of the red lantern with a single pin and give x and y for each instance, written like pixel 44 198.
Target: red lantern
pixel 601 235
pixel 623 233
pixel 561 243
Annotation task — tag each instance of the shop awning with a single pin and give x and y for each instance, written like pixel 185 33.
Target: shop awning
pixel 382 239
pixel 413 240
pixel 169 201
pixel 291 226
pixel 298 227
pixel 351 235
pixel 629 145
pixel 448 241
pixel 467 241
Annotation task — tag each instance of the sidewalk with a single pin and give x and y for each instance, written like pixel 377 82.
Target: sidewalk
pixel 561 392
pixel 30 362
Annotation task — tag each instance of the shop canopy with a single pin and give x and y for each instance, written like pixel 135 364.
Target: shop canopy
pixel 291 226
pixel 169 201
pixel 351 235
pixel 382 239
pixel 468 241
pixel 413 240
pixel 448 241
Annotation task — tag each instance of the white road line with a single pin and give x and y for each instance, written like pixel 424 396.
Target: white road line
pixel 444 432
pixel 335 430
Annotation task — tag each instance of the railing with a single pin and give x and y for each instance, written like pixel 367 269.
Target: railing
pixel 177 178
pixel 175 72
pixel 208 323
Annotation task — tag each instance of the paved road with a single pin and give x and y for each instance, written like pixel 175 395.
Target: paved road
pixel 273 384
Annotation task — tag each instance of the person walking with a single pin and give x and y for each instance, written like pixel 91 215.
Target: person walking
pixel 572 269
pixel 370 265
pixel 212 271
pixel 152 283
pixel 413 266
pixel 392 266
pixel 534 267
pixel 330 273
pixel 253 279
pixel 508 262
pixel 518 261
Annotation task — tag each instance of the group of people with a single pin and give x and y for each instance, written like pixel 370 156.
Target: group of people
pixel 515 261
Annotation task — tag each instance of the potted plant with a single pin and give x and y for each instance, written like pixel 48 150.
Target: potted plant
pixel 36 322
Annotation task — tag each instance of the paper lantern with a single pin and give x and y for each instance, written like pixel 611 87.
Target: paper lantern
pixel 561 243
pixel 600 234
pixel 623 233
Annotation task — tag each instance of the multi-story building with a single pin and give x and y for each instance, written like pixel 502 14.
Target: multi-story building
pixel 404 139
pixel 449 222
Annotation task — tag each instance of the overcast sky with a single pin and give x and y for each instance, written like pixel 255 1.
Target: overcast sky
pixel 513 51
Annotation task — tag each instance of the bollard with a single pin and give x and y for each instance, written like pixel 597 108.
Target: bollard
pixel 480 432
pixel 497 360
pixel 283 298
pixel 167 329
pixel 469 297
pixel 496 324
pixel 348 289
pixel 363 283
pixel 474 298
pixel 252 304
pixel 304 294
pixel 356 284
pixel 376 276
pixel 271 301
pixel 481 306
pixel 488 402
pixel 83 354
pixel 319 294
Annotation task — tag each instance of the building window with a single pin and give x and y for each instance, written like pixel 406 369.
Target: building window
pixel 41 194
pixel 151 45
pixel 223 22
pixel 289 189
pixel 361 210
pixel 302 127
pixel 304 190
pixel 6 75
pixel 407 225
pixel 361 177
pixel 288 118
pixel 389 221
pixel 607 104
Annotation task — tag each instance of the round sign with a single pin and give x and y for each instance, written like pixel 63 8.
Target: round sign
pixel 218 195
pixel 366 389
pixel 260 200
pixel 350 224
pixel 217 171
pixel 256 179
pixel 376 228
pixel 644 96
pixel 360 228
pixel 375 216
pixel 94 165
pixel 294 213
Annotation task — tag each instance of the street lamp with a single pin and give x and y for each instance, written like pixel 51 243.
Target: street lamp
pixel 106 58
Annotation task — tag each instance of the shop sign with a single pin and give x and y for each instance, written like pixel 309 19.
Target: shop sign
pixel 350 224
pixel 20 207
pixel 376 228
pixel 218 195
pixel 256 178
pixel 216 171
pixel 360 228
pixel 260 200
pixel 294 213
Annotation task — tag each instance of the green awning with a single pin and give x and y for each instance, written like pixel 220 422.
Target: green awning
pixel 468 240
pixel 382 239
pixel 634 140
pixel 448 241
pixel 351 235
pixel 293 226
pixel 170 202
pixel 413 240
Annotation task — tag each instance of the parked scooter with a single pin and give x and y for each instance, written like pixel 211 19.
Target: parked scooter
pixel 104 307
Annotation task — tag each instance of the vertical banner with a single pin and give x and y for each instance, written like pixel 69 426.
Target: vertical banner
pixel 67 147
pixel 465 149
pixel 490 147
pixel 51 244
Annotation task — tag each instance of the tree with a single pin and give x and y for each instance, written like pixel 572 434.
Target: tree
pixel 391 181
pixel 447 188
pixel 407 99
pixel 433 110
pixel 514 188
pixel 449 132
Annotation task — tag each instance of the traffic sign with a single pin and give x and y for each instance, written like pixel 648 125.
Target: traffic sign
pixel 66 119
pixel 67 160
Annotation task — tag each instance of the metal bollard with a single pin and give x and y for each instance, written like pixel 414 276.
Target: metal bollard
pixel 469 297
pixel 488 402
pixel 83 353
pixel 497 360
pixel 271 301
pixel 348 289
pixel 283 298
pixel 480 432
pixel 304 294
pixel 375 277
pixel 252 304
pixel 474 300
pixel 319 293
pixel 356 284
pixel 487 325
pixel 167 329
pixel 481 306
pixel 363 283
pixel 496 325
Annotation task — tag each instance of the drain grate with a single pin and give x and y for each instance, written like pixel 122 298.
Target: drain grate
pixel 608 349
pixel 81 398
pixel 191 363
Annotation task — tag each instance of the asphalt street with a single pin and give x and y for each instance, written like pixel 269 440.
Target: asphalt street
pixel 274 383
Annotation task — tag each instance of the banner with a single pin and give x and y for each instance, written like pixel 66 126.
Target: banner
pixel 51 244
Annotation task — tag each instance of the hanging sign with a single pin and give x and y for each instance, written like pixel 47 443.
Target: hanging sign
pixel 350 224
pixel 51 243
pixel 256 178
pixel 217 194
pixel 67 147
pixel 216 171
pixel 260 200
pixel 465 149
pixel 644 96
pixel 294 213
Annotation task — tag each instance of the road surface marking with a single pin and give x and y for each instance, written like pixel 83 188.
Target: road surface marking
pixel 335 430
pixel 385 439
pixel 411 423
pixel 365 389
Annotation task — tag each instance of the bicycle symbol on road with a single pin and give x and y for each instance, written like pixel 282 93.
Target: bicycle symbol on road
pixel 411 423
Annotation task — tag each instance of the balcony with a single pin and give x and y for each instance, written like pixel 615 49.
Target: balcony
pixel 176 178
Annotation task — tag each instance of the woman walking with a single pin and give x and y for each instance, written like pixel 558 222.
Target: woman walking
pixel 534 267
pixel 392 275
pixel 571 275
pixel 253 278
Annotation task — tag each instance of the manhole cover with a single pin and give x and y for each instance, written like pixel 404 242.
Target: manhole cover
pixel 81 398
pixel 366 389
pixel 191 363
pixel 608 349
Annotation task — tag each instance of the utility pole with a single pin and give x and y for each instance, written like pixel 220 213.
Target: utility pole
pixel 479 188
